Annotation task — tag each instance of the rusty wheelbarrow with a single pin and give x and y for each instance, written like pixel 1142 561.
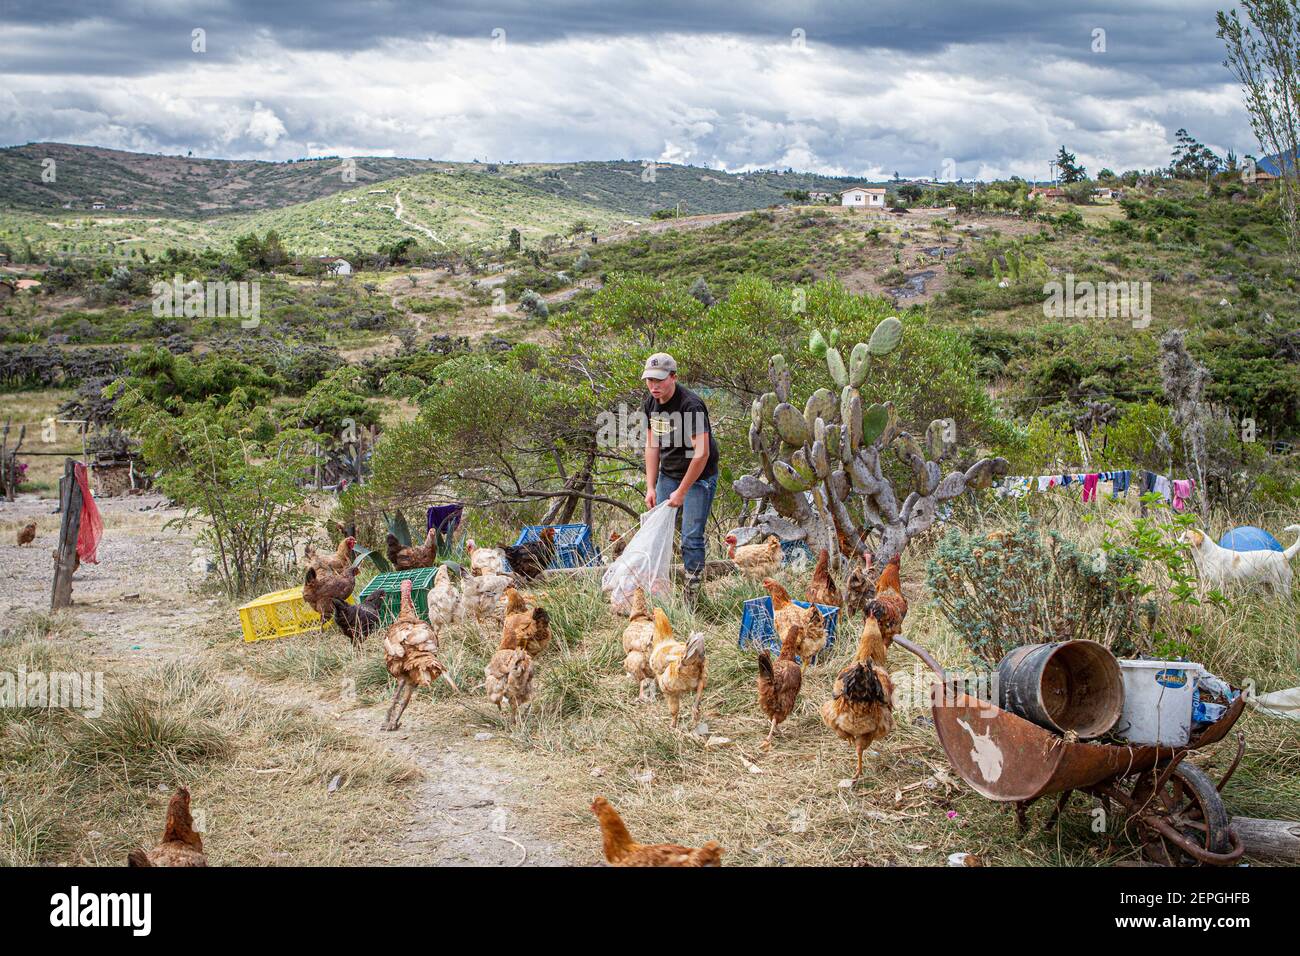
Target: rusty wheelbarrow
pixel 1173 809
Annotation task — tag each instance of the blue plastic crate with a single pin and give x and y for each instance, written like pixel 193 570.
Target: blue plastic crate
pixel 796 552
pixel 573 545
pixel 756 624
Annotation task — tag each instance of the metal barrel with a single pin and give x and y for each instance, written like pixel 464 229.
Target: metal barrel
pixel 1066 686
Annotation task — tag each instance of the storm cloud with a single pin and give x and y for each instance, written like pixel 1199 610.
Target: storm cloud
pixel 978 90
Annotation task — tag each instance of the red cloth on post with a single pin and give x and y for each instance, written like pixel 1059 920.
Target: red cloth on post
pixel 92 525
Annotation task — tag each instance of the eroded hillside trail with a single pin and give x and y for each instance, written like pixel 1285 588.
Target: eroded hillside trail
pixel 140 607
pixel 398 209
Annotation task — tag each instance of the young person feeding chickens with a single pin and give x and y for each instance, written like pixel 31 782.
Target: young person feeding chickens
pixel 681 459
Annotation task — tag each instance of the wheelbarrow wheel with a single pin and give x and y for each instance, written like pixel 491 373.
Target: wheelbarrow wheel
pixel 1189 803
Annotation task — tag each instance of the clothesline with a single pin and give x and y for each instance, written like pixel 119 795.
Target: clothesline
pixel 1175 492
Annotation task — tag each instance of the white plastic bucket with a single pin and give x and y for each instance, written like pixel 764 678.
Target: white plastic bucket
pixel 1158 702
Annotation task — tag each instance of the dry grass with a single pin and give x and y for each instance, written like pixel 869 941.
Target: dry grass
pixel 81 789
pixel 587 734
pixel 31 409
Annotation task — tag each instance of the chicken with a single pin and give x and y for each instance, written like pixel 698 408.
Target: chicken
pixel 679 668
pixel 180 845
pixel 321 587
pixel 757 561
pixel 617 544
pixel 530 559
pixel 859 586
pixel 510 675
pixel 779 681
pixel 336 563
pixel 861 707
pixel 484 560
pixel 415 556
pixel 411 655
pixel 524 626
pixel 786 614
pixel 444 599
pixel 638 639
pixel 622 850
pixel 358 620
pixel 481 595
pixel 27 535
pixel 822 589
pixel 889 606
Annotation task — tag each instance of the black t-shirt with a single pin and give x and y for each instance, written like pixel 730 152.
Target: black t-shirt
pixel 674 423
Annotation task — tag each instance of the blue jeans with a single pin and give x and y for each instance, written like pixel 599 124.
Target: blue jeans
pixel 694 515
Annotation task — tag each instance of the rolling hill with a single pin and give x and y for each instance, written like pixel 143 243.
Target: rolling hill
pixel 188 187
pixel 437 209
pixel 177 185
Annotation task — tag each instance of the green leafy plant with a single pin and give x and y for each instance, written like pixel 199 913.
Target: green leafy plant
pixel 1008 588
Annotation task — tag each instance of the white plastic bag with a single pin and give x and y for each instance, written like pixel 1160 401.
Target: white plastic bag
pixel 646 562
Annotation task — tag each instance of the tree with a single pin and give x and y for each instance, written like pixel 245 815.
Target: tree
pixel 261 254
pixel 234 473
pixel 910 192
pixel 1071 171
pixel 515 240
pixel 1192 159
pixel 1264 54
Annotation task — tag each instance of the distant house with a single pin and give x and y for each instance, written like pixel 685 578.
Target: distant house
pixel 1269 168
pixel 814 196
pixel 1105 192
pixel 865 196
pixel 336 266
pixel 1050 193
pixel 96 205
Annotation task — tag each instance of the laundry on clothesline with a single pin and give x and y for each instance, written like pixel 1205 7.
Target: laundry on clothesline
pixel 1174 492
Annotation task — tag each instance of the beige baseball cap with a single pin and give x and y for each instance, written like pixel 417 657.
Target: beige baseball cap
pixel 659 366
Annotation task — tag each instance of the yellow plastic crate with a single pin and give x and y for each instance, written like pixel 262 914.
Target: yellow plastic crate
pixel 279 614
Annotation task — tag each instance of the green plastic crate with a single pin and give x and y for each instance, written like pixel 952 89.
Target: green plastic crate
pixel 391 585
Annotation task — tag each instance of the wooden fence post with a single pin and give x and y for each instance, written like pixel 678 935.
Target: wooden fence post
pixel 65 556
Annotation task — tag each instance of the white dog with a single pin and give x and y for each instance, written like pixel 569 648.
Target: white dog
pixel 1220 567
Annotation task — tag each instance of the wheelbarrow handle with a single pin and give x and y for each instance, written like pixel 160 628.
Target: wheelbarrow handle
pixel 922 653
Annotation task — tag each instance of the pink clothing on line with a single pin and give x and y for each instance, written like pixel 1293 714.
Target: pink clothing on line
pixel 1090 487
pixel 1183 491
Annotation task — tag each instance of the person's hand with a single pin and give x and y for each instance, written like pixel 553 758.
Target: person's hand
pixel 676 498
pixel 650 498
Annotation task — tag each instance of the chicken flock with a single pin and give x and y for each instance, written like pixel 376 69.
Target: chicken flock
pixel 859 710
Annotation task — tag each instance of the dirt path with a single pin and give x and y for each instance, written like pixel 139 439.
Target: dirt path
pixel 398 210
pixel 139 607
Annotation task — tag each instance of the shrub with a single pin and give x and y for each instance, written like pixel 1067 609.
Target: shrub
pixel 1009 588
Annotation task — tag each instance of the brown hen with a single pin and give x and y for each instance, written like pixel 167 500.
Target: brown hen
pixel 526 627
pixel 411 655
pixel 779 681
pixel 622 850
pixel 180 845
pixel 822 589
pixel 861 707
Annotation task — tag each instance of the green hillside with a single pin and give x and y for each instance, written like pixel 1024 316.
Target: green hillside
pixel 177 185
pixel 438 209
pixel 619 185
pixel 190 187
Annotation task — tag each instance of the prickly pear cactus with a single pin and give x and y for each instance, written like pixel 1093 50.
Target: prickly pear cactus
pixel 822 468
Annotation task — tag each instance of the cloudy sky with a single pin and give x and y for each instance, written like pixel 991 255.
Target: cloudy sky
pixel 859 89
